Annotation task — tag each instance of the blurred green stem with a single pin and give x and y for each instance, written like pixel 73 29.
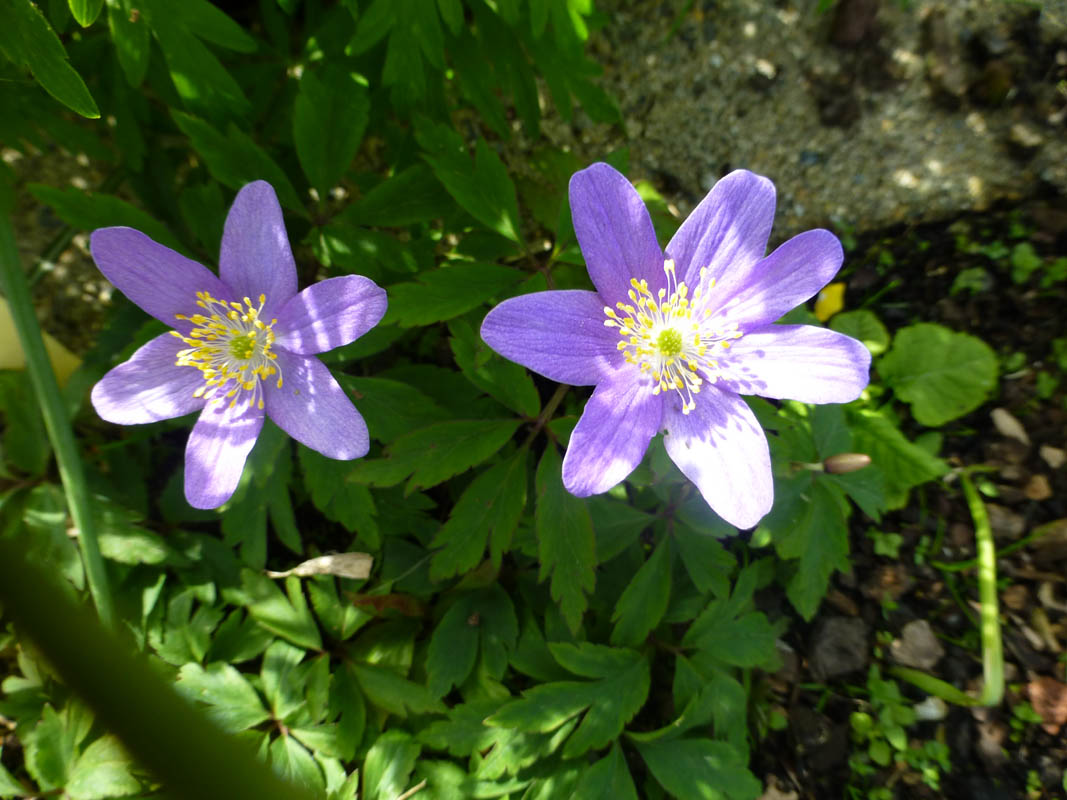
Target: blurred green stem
pixel 989 624
pixel 53 409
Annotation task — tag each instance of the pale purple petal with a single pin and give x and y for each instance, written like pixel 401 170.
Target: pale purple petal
pixel 614 232
pixel 798 362
pixel 329 314
pixel 559 334
pixel 255 257
pixel 727 232
pixel 721 448
pixel 793 273
pixel 149 386
pixel 313 408
pixel 612 435
pixel 217 450
pixel 156 278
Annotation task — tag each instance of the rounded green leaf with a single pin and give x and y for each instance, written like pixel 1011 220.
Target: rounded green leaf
pixel 940 373
pixel 865 326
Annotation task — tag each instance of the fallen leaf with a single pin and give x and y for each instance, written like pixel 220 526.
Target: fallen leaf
pixel 343 565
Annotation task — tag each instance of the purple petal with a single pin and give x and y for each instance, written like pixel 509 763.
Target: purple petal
pixel 217 450
pixel 157 279
pixel 313 408
pixel 329 314
pixel 612 435
pixel 798 362
pixel 255 257
pixel 150 386
pixel 559 334
pixel 721 448
pixel 727 232
pixel 614 232
pixel 793 273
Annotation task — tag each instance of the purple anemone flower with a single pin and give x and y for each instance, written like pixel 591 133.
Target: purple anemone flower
pixel 672 340
pixel 242 347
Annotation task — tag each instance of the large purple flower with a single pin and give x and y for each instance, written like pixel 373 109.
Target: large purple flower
pixel 242 345
pixel 672 340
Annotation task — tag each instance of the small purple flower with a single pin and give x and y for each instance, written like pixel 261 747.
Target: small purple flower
pixel 242 347
pixel 672 340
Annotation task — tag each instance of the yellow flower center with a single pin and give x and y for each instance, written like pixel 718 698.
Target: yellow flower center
pixel 231 346
pixel 670 336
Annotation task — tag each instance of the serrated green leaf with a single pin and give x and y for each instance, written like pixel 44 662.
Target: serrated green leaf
pixel 447 292
pixel 708 563
pixel 210 23
pixel 617 525
pixel 940 373
pixel 336 496
pixel 406 198
pixel 903 463
pixel 439 451
pixel 88 211
pixel 231 701
pixel 645 599
pixel 392 408
pixel 30 41
pixel 865 326
pixel 329 117
pixel 292 761
pixel 388 766
pixel 288 618
pixel 612 701
pixel 85 11
pixel 25 440
pixel 607 779
pixel 395 693
pixel 566 546
pixel 501 379
pixel 283 683
pixel 700 769
pixel 9 787
pixel 131 39
pixel 234 159
pixel 50 747
pixel 102 772
pixel 453 648
pixel 487 512
pixel 483 188
pixel 477 83
pixel 239 638
pixel 747 640
pixel 371 26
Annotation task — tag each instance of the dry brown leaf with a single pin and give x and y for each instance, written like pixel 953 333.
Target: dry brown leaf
pixel 1048 696
pixel 343 565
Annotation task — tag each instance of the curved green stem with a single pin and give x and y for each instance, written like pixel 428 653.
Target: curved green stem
pixel 54 411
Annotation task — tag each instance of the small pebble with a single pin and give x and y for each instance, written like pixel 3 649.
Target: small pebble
pixel 1038 488
pixel 1055 457
pixel 1006 524
pixel 1008 425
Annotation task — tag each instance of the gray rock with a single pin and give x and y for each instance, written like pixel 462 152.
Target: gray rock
pixel 839 647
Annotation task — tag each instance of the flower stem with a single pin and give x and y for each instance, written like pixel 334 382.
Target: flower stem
pixel 53 409
pixel 546 412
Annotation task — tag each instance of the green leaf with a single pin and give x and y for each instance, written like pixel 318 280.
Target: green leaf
pixel 50 747
pixel 202 82
pixel 88 211
pixel 607 779
pixel 131 39
pixel 293 762
pixel 617 525
pixel 903 463
pixel 388 766
pixel 612 701
pixel 85 11
pixel 288 618
pixel 329 118
pixel 941 374
pixel 234 159
pixel 700 769
pixel 864 326
pixel 447 292
pixel 232 702
pixel 372 26
pixel 9 787
pixel 708 563
pixel 406 198
pixel 452 13
pixel 392 408
pixel 212 24
pixel 503 380
pixel 29 40
pixel 483 188
pixel 566 546
pixel 453 649
pixel 818 538
pixel 25 440
pixel 442 450
pixel 747 640
pixel 283 683
pixel 395 693
pixel 643 603
pixel 102 772
pixel 487 512
pixel 328 482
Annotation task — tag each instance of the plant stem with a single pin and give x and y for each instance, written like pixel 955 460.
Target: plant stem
pixel 546 413
pixel 54 411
